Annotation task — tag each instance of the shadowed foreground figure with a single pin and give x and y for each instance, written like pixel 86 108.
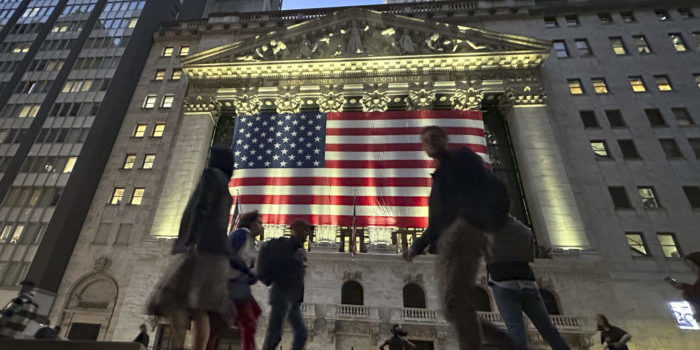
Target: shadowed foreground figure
pixel 465 200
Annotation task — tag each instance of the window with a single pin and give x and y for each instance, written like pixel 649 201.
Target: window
pixel 150 101
pixel 670 148
pixel 551 22
pixel 683 118
pixel 678 43
pixel 17 234
pixel 160 74
pixel 132 22
pixel 583 48
pixel 70 164
pixel 129 161
pixel 572 21
pixel 629 150
pixel 637 84
pixel 628 17
pixel 640 41
pixel 560 48
pixel 413 296
pixel 184 50
pixel 600 86
pixel 655 117
pixel 663 83
pixel 695 145
pixel 176 75
pixel 575 87
pixel 636 242
pixel 158 130
pixel 352 293
pixel 686 13
pixel 693 194
pixel 619 197
pixel 662 15
pixel 589 120
pixel 28 111
pixel 615 118
pixel 697 80
pixel 618 45
pixel 139 130
pixel 648 197
pixel 167 52
pixel 600 149
pixel 167 101
pixel 605 18
pixel 148 161
pixel 117 196
pixel 137 197
pixel 669 245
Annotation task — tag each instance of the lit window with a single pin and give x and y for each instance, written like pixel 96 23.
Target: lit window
pixel 663 83
pixel 87 84
pixel 150 101
pixel 583 48
pixel 618 46
pixel 697 80
pixel 648 197
pixel 129 161
pixel 682 116
pixel 628 149
pixel 167 52
pixel 655 117
pixel 184 50
pixel 560 48
pixel 589 120
pixel 148 161
pixel 572 20
pixel 693 194
pixel 137 197
pixel 671 149
pixel 117 196
pixel 615 118
pixel 167 101
pixel 70 164
pixel 158 130
pixel 637 84
pixel 132 22
pixel 176 75
pixel 662 15
pixel 6 231
pixel 160 74
pixel 21 48
pixel 551 22
pixel 635 240
pixel 642 46
pixel 605 18
pixel 628 17
pixel 686 13
pixel 139 130
pixel 600 149
pixel 28 111
pixel 669 245
pixel 619 197
pixel 17 235
pixel 678 43
pixel 600 86
pixel 575 87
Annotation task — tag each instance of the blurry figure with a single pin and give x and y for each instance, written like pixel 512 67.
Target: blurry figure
pixel 613 337
pixel 18 313
pixel 398 341
pixel 48 333
pixel 691 292
pixel 143 336
pixel 508 255
pixel 465 200
pixel 197 282
pixel 282 264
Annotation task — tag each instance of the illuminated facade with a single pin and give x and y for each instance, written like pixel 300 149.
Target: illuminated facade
pixel 581 105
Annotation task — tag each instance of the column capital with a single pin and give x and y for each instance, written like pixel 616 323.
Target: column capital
pixel 246 101
pixel 468 95
pixel 375 98
pixel 331 99
pixel 288 100
pixel 421 95
pixel 525 93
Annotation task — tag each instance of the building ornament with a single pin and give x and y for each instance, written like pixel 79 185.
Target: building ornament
pixel 467 96
pixel 375 98
pixel 421 95
pixel 247 102
pixel 331 99
pixel 288 100
pixel 201 104
pixel 352 276
pixel 411 278
pixel 529 94
pixel 102 264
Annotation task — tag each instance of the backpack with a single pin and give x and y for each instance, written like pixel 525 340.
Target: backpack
pixel 275 260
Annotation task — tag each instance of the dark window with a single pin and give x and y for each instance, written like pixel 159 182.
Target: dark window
pixel 413 296
pixel 605 18
pixel 551 22
pixel 619 197
pixel 683 118
pixel 572 20
pixel 560 48
pixel 584 49
pixel 629 150
pixel 589 120
pixel 352 294
pixel 686 13
pixel 693 194
pixel 662 15
pixel 615 118
pixel 550 302
pixel 671 148
pixel 642 45
pixel 695 145
pixel 655 117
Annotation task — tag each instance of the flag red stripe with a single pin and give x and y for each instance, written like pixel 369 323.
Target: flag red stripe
pixel 346 220
pixel 379 164
pixel 420 114
pixel 333 181
pixel 415 131
pixel 393 147
pixel 336 200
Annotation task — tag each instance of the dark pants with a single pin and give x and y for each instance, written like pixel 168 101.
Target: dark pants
pixel 284 305
pixel 513 302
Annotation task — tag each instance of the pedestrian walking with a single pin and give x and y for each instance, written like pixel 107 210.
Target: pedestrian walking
pixel 398 341
pixel 197 282
pixel 282 265
pixel 614 338
pixel 691 292
pixel 508 255
pixel 465 200
pixel 143 337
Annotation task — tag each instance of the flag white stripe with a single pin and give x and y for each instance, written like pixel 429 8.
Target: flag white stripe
pixel 404 123
pixel 332 172
pixel 318 209
pixel 334 191
pixel 381 139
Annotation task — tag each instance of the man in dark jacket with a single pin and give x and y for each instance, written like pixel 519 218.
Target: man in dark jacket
pixel 282 264
pixel 143 336
pixel 465 200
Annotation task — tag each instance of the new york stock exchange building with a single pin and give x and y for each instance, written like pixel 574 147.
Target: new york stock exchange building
pixel 557 97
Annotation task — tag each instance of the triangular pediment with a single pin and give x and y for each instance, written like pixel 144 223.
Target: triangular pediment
pixel 364 33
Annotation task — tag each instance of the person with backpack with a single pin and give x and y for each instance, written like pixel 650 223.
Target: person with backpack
pixel 465 201
pixel 398 340
pixel 508 255
pixel 282 265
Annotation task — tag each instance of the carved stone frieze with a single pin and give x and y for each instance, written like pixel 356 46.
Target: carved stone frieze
pixel 467 96
pixel 102 264
pixel 331 99
pixel 411 278
pixel 421 95
pixel 288 100
pixel 352 276
pixel 201 104
pixel 247 102
pixel 526 94
pixel 375 98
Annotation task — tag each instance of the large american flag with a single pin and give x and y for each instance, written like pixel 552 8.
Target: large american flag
pixel 329 168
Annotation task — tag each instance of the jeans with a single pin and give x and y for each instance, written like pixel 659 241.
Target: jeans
pixel 513 302
pixel 283 305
